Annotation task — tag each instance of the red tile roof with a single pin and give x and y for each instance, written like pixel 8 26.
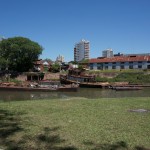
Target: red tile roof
pixel 120 59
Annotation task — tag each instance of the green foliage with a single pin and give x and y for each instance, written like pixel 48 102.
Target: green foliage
pixel 84 61
pixel 3 63
pixel 55 67
pixel 80 67
pixel 101 79
pixel 133 78
pixel 18 53
pixel 73 62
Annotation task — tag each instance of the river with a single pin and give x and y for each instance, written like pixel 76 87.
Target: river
pixel 82 92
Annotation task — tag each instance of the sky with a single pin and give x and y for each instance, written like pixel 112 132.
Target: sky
pixel 122 25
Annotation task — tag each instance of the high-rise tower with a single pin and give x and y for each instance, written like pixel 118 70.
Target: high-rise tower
pixel 107 53
pixel 81 50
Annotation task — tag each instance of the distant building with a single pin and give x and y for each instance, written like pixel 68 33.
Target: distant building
pixel 119 54
pixel 60 59
pixel 120 62
pixel 41 65
pixel 107 53
pixel 81 50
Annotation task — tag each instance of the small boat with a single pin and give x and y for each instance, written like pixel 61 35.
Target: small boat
pixel 121 88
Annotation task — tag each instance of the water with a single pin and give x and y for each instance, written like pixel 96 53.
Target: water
pixel 82 92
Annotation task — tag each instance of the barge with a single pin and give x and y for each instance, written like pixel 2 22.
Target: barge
pixel 42 86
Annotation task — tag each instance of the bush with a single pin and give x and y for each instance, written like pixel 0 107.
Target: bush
pixel 101 79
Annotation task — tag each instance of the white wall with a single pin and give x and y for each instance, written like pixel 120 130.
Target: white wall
pixel 118 65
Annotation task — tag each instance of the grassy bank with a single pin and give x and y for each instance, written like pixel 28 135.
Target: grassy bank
pixel 131 77
pixel 83 124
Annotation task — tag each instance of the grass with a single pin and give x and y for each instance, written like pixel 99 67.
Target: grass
pixel 77 124
pixel 135 78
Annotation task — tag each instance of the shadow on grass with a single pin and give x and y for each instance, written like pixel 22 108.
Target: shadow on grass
pixel 10 126
pixel 47 140
pixel 121 145
pixel 50 140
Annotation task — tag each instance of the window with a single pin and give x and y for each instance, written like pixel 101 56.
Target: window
pixel 106 62
pixel 106 67
pixel 130 67
pixel 99 66
pixel 139 66
pixel 139 62
pixel 91 67
pixel 148 66
pixel 114 63
pixel 113 67
pixel 122 67
pixel 122 62
pixel 131 62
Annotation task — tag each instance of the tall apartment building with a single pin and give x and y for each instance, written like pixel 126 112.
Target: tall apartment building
pixel 107 53
pixel 81 50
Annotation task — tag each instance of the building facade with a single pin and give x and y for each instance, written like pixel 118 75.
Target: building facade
pixel 60 59
pixel 81 50
pixel 120 62
pixel 107 53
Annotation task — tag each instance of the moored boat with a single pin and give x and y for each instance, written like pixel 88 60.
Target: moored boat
pixel 121 88
pixel 45 86
pixel 77 76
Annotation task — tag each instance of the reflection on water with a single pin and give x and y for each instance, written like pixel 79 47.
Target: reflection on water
pixel 82 92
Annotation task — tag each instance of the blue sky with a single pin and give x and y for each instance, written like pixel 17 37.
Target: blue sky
pixel 123 25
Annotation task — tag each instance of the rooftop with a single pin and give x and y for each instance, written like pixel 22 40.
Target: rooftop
pixel 132 58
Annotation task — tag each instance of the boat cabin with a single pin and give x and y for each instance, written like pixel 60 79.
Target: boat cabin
pixel 80 76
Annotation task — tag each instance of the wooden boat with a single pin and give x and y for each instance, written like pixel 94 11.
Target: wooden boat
pixel 78 77
pixel 38 89
pixel 121 88
pixel 43 86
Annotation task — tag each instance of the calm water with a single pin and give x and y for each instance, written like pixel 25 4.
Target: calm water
pixel 83 92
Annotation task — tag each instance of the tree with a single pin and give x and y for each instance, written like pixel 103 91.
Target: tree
pixel 55 68
pixel 3 63
pixel 48 60
pixel 18 53
pixel 83 63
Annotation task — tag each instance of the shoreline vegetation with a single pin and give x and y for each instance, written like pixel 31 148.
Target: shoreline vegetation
pixel 130 76
pixel 76 124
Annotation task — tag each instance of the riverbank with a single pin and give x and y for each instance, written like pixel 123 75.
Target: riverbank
pixel 76 124
pixel 104 76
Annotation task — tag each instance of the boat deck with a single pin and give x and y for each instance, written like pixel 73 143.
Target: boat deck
pixel 38 89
